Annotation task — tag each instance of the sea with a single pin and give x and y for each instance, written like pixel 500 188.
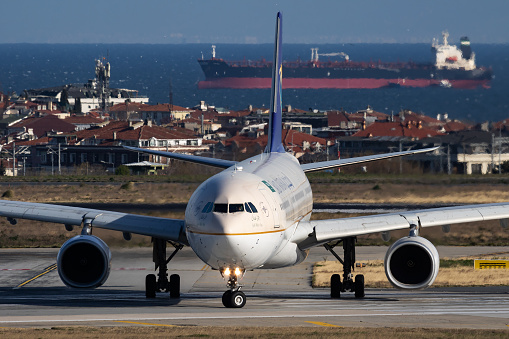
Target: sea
pixel 151 69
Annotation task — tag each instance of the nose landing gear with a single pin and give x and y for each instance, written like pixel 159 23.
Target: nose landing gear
pixel 233 298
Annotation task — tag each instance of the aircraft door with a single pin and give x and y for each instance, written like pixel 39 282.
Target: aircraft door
pixel 270 207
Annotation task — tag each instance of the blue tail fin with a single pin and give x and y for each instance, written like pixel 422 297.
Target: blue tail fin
pixel 276 115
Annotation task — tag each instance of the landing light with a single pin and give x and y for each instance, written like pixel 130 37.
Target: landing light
pixel 238 272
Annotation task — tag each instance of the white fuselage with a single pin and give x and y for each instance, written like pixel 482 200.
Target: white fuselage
pixel 246 216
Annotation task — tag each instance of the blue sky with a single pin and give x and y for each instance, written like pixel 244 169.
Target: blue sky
pixel 237 21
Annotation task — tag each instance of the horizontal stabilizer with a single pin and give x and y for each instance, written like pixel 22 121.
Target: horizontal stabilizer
pixel 323 165
pixel 185 157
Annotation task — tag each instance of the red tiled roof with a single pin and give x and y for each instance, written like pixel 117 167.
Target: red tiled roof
pixel 297 138
pixel 124 132
pixel 377 115
pixel 45 124
pixel 334 118
pixel 86 119
pixel 424 119
pixel 196 121
pixel 396 129
pixel 501 124
pixel 455 126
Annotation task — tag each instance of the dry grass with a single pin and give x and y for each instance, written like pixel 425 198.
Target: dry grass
pixel 311 331
pixel 410 193
pixel 148 193
pixel 165 192
pixel 455 274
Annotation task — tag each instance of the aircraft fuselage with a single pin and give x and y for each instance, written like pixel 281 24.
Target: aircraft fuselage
pixel 245 216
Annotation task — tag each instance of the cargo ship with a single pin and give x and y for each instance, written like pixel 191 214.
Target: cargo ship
pixel 453 67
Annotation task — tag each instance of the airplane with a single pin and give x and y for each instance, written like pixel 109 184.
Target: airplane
pixel 255 214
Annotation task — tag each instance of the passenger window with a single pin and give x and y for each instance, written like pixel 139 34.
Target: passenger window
pixel 221 208
pixel 248 209
pixel 236 208
pixel 253 208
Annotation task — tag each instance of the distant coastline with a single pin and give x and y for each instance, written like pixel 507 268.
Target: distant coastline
pixel 148 68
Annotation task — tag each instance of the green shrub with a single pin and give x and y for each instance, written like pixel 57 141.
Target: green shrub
pixel 122 170
pixel 127 186
pixel 8 194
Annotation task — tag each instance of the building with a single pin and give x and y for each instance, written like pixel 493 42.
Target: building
pixel 159 114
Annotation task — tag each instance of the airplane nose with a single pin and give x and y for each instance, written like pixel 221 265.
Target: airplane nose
pixel 230 250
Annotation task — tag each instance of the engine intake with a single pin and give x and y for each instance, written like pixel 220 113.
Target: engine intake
pixel 84 262
pixel 412 263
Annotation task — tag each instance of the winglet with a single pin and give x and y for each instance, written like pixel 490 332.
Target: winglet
pixel 276 119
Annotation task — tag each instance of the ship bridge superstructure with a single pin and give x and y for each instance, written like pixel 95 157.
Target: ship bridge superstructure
pixel 451 57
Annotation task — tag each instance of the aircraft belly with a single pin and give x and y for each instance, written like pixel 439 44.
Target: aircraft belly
pixel 247 251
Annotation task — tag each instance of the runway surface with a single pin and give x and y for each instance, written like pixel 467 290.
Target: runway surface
pixel 275 297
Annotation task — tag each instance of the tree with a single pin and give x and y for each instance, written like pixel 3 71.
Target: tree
pixel 64 100
pixel 77 105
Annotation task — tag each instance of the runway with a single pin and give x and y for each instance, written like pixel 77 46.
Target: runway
pixel 275 297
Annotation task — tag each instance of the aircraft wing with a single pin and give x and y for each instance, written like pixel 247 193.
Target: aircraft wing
pixel 169 229
pixel 322 231
pixel 190 158
pixel 318 166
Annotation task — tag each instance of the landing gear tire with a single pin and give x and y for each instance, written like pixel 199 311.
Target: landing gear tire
pixel 335 286
pixel 359 286
pixel 174 286
pixel 234 299
pixel 227 299
pixel 150 286
pixel 237 299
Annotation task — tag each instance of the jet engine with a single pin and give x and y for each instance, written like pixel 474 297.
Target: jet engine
pixel 84 262
pixel 412 263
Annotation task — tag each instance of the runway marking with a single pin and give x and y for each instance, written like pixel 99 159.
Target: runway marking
pixel 247 316
pixel 205 267
pixel 138 323
pixel 319 323
pixel 46 271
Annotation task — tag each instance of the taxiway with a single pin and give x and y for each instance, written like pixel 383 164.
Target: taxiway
pixel 32 295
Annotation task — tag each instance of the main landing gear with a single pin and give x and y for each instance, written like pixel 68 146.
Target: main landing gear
pixel 357 285
pixel 233 298
pixel 161 283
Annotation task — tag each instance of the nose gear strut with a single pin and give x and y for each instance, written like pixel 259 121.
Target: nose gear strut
pixel 233 298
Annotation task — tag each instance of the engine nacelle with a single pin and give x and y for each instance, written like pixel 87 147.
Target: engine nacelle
pixel 412 263
pixel 84 262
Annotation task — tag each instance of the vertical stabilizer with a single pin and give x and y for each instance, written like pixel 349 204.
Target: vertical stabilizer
pixel 276 119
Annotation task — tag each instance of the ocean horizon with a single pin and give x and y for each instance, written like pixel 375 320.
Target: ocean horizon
pixel 149 69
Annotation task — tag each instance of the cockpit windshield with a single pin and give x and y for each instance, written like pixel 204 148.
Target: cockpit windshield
pixel 229 208
pixel 234 208
pixel 221 208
